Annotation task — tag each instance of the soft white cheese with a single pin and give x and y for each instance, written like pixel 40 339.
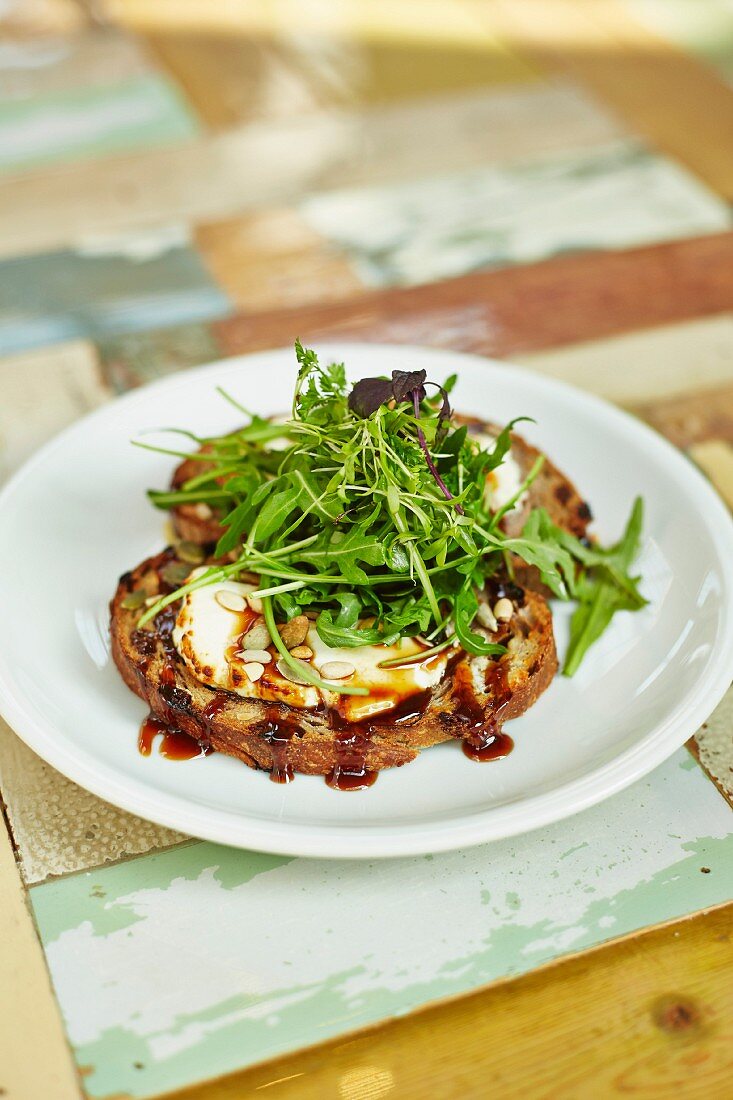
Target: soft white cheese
pixel 505 481
pixel 207 636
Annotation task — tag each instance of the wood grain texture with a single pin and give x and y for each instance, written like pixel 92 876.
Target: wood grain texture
pixel 649 1016
pixel 692 358
pixel 37 17
pixel 273 256
pixel 207 178
pixel 544 305
pixel 692 419
pixel 232 79
pixel 35 1061
pixel 677 102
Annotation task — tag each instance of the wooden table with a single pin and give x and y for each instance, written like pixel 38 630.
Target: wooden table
pixel 545 181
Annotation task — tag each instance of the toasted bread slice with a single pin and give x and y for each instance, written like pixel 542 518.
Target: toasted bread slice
pixel 551 490
pixel 470 703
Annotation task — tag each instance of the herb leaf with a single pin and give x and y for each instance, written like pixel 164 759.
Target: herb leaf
pixel 367 508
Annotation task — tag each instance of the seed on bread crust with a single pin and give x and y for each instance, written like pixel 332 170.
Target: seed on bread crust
pixel 190 552
pixel 295 632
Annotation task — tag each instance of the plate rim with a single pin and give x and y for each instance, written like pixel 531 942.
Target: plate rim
pixel 372 841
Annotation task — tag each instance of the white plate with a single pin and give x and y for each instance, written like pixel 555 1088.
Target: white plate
pixel 76 516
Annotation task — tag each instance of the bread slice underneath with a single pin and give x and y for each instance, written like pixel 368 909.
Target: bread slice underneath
pixel 470 703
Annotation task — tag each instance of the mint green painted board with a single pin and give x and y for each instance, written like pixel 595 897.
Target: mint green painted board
pixel 182 965
pixel 141 112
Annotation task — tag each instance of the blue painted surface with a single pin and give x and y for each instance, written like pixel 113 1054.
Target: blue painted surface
pixel 67 295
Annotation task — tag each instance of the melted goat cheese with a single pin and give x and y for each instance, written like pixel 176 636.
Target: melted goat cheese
pixel 207 636
pixel 505 481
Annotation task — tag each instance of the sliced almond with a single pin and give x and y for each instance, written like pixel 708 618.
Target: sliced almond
pixel 230 601
pixel 291 673
pixel 295 632
pixel 337 670
pixel 258 655
pixel 255 604
pixel 257 637
pixel 254 670
pixel 302 652
pixel 202 510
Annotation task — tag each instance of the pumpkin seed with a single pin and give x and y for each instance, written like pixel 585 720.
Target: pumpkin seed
pixel 190 552
pixel 295 632
pixel 134 600
pixel 175 573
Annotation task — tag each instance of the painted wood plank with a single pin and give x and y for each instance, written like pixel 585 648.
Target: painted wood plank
pixel 520 309
pixel 118 285
pixel 405 21
pixel 704 29
pixel 57 827
pixel 715 458
pixel 679 104
pixel 303 949
pixel 21 17
pixel 422 231
pixel 713 744
pixel 652 364
pixel 143 112
pixel 215 178
pixel 474 129
pixel 42 65
pixel 649 1015
pixel 691 420
pixel 35 1060
pixel 273 257
pixel 232 78
pixel 42 392
pixel 208 178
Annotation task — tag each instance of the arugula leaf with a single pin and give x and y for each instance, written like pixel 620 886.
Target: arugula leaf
pixel 367 509
pixel 604 588
pixel 337 635
pixel 465 608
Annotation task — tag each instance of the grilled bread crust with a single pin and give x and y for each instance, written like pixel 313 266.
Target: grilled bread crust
pixel 477 691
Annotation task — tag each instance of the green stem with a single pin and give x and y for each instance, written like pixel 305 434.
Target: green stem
pixel 303 670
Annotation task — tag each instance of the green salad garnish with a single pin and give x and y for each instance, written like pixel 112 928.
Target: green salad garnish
pixel 368 506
